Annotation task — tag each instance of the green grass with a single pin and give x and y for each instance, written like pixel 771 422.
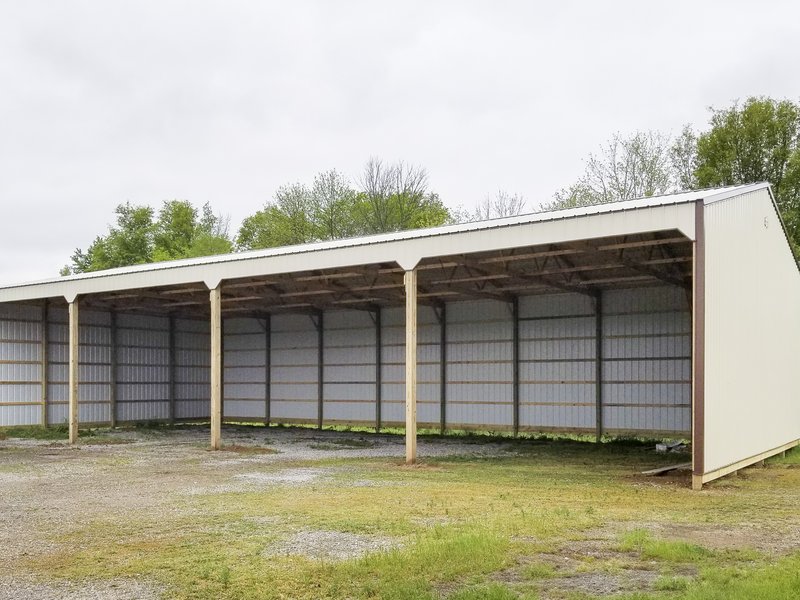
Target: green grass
pixel 641 541
pixel 464 524
pixel 37 432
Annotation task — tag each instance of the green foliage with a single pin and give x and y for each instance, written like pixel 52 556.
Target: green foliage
pixel 757 141
pixel 390 198
pixel 136 238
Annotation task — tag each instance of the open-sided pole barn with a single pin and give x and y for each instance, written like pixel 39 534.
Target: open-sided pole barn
pixel 669 316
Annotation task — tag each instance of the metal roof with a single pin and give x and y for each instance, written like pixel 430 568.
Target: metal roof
pixel 406 248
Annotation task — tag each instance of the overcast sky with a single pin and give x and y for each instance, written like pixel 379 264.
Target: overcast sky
pixel 222 102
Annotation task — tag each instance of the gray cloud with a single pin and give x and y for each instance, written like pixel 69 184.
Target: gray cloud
pixel 103 102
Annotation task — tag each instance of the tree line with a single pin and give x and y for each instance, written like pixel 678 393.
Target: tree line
pixel 757 140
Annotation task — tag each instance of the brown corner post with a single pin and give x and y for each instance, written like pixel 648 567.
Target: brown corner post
pixel 698 350
pixel 74 354
pixel 410 280
pixel 216 367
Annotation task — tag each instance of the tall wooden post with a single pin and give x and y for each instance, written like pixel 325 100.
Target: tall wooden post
pixel 74 346
pixel 411 366
pixel 216 367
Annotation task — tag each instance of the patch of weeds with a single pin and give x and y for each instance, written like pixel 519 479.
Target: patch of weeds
pixel 494 591
pixel 37 432
pixel 104 440
pixel 668 583
pixel 792 458
pixel 641 541
pixel 242 449
pixel 540 571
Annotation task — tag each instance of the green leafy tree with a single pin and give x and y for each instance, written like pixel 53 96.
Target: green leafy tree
pixel 392 198
pixel 135 238
pixel 756 141
pixel 395 197
pixel 626 167
pixel 286 220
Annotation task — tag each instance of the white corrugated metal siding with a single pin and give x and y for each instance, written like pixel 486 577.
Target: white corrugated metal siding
pixel 294 368
pixel 752 333
pixel 647 368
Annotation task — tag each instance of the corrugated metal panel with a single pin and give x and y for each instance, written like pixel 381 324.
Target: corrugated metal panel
pixel 142 367
pixel 349 371
pixel 94 367
pixel 752 333
pixel 479 364
pixel 192 375
pixel 245 376
pixel 393 356
pixel 647 360
pixel 557 362
pixel 294 368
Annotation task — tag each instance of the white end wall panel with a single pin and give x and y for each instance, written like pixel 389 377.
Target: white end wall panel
pixel 752 332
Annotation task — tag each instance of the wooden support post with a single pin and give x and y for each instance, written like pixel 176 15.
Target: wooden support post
pixel 378 368
pixel 216 367
pixel 515 359
pixel 74 347
pixel 44 363
pixel 443 368
pixel 172 369
pixel 114 360
pixel 411 365
pixel 320 323
pixel 268 370
pixel 598 365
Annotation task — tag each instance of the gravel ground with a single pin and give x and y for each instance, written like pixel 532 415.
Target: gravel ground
pixel 45 484
pixel 330 545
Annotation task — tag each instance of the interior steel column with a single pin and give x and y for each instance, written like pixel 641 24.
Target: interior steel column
pixel 320 368
pixel 267 368
pixel 43 363
pixel 515 362
pixel 216 367
pixel 598 357
pixel 172 369
pixel 443 368
pixel 112 392
pixel 411 366
pixel 74 346
pixel 378 369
